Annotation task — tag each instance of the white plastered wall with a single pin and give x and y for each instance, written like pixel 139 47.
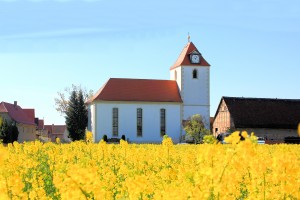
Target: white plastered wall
pixel 128 120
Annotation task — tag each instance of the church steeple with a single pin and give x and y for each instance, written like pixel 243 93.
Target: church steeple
pixel 185 57
pixel 191 72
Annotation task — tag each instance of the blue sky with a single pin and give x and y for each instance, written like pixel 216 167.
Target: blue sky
pixel 46 45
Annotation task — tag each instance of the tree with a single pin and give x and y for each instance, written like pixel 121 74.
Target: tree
pixel 195 128
pixel 15 133
pixel 76 116
pixel 62 101
pixel 8 131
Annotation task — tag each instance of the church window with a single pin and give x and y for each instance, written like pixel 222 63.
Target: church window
pixel 162 122
pixel 175 75
pixel 139 122
pixel 195 73
pixel 115 123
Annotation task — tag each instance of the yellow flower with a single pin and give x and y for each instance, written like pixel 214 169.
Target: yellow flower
pixel 88 136
pixel 167 141
pixel 149 171
pixel 245 134
pixel 234 138
pixel 57 140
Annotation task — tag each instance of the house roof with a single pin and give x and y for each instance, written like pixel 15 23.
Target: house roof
pixel 30 113
pixel 16 113
pixel 118 89
pixel 263 112
pixel 184 59
pixel 56 129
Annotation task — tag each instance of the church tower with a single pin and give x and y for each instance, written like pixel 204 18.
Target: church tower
pixel 191 72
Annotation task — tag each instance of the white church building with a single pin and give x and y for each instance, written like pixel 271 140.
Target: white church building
pixel 145 109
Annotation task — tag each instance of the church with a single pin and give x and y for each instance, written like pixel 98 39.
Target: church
pixel 144 110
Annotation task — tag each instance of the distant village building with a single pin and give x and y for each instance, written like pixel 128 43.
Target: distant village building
pixel 57 131
pixel 270 118
pixel 24 119
pixel 145 110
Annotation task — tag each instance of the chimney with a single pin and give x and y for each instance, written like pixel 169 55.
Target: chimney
pixel 15 104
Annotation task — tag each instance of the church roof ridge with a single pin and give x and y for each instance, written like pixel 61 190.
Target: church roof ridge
pixel 146 90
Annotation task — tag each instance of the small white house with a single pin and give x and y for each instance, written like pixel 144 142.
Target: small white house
pixel 144 110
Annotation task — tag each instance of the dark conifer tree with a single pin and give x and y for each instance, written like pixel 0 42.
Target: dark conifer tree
pixel 14 133
pixel 76 116
pixel 82 115
pixel 8 132
pixel 4 131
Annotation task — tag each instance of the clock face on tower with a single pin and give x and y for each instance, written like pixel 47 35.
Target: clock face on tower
pixel 195 58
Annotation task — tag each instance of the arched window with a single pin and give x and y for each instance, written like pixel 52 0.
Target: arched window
pixel 175 75
pixel 195 73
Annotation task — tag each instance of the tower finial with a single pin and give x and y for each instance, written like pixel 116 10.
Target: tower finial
pixel 189 37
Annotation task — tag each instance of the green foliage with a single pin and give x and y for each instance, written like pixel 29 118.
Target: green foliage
pixel 15 133
pixel 8 131
pixel 196 129
pixel 62 101
pixel 165 137
pixel 76 116
pixel 209 139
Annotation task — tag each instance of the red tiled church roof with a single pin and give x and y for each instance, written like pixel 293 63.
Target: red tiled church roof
pixel 16 113
pixel 118 89
pixel 184 59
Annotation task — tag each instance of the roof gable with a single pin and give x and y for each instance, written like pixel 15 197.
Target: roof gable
pixel 263 112
pixel 16 113
pixel 183 58
pixel 146 90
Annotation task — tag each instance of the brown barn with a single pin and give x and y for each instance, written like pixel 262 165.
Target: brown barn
pixel 270 118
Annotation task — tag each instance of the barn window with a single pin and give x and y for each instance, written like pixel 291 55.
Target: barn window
pixel 195 73
pixel 139 119
pixel 115 122
pixel 162 122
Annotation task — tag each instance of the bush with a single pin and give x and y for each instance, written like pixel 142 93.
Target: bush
pixel 123 137
pixel 104 138
pixel 8 131
pixel 209 139
pixel 195 128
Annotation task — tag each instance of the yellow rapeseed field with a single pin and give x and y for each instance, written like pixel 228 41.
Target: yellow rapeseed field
pixel 85 170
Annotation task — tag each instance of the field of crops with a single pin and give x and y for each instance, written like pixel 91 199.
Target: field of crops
pixel 129 171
